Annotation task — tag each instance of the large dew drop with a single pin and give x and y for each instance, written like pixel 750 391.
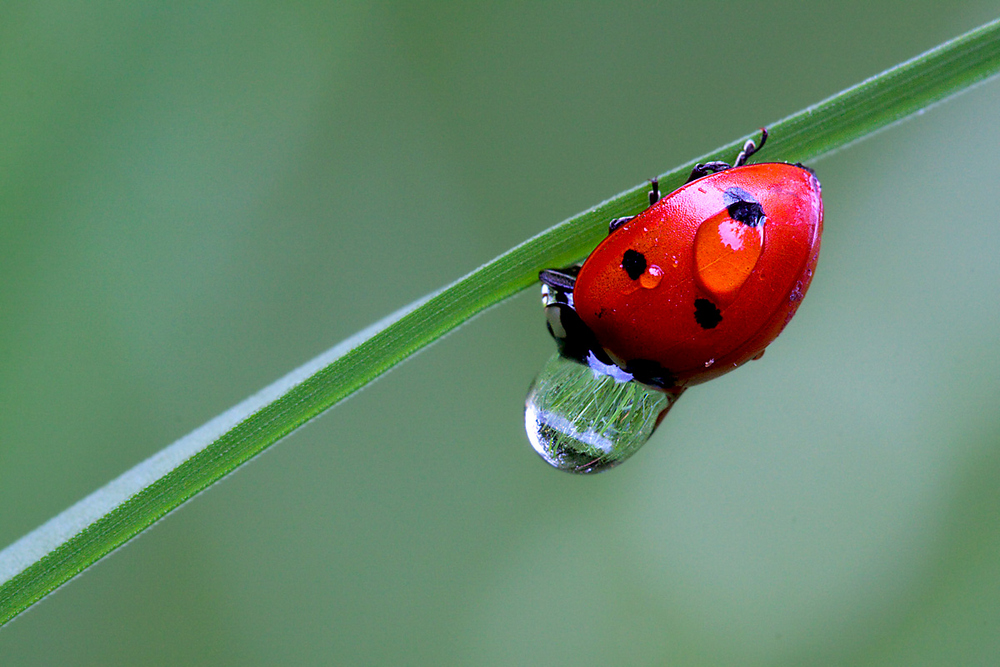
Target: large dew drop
pixel 582 420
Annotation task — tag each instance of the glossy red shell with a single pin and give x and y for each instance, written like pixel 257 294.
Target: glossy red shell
pixel 753 277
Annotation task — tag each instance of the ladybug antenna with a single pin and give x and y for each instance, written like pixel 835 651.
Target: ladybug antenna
pixel 749 148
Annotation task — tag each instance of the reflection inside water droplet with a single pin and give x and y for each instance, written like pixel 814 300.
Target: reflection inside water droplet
pixel 583 420
pixel 652 277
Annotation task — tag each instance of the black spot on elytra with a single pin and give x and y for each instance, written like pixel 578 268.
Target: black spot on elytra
pixel 634 263
pixel 706 313
pixel 743 207
pixel 651 372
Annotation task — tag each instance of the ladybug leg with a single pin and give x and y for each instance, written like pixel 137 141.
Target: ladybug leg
pixel 706 169
pixel 559 279
pixel 749 148
pixel 654 191
pixel 654 196
pixel 618 222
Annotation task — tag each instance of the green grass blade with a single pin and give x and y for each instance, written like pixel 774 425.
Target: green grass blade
pixel 72 541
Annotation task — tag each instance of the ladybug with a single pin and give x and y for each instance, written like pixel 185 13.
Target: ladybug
pixel 698 283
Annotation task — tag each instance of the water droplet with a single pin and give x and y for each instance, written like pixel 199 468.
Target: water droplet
pixel 725 254
pixel 652 277
pixel 709 363
pixel 583 420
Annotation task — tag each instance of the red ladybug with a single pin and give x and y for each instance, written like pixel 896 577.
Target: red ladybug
pixel 698 283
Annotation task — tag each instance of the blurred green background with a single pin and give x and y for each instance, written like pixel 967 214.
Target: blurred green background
pixel 196 198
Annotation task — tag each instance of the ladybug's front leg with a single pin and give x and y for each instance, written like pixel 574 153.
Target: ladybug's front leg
pixel 654 196
pixel 560 279
pixel 618 222
pixel 749 148
pixel 706 169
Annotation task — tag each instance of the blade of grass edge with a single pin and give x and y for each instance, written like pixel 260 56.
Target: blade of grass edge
pixel 60 549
